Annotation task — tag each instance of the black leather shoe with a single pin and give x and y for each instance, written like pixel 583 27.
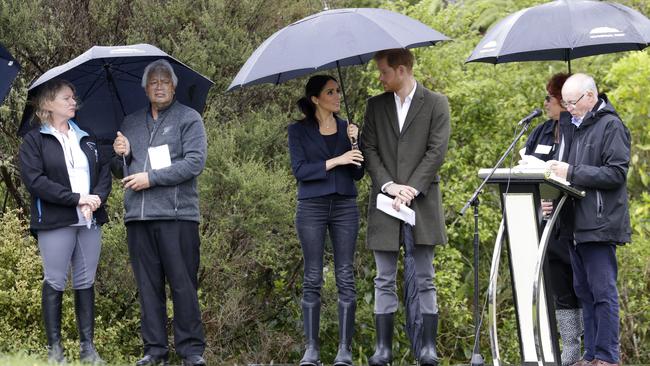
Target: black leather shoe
pixel 194 360
pixel 149 360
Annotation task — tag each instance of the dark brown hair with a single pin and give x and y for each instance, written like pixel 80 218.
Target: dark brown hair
pixel 396 57
pixel 314 87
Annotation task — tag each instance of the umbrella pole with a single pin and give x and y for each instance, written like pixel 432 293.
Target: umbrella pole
pixel 569 64
pixel 345 99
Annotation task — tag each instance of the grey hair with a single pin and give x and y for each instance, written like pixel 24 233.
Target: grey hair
pixel 586 83
pixel 160 65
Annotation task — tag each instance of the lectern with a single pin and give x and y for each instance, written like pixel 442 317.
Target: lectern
pixel 527 233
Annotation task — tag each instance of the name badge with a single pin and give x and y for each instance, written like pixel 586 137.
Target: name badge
pixel 159 157
pixel 543 149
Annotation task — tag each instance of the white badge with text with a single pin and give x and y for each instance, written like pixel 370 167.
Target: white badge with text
pixel 159 157
pixel 543 149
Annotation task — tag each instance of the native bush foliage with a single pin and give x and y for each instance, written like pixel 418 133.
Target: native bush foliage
pixel 251 272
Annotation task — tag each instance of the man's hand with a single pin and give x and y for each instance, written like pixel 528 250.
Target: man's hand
pixel 405 193
pixel 558 168
pixel 121 145
pixel 136 182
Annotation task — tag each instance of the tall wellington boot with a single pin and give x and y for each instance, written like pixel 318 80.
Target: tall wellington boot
pixel 311 324
pixel 346 331
pixel 428 355
pixel 384 348
pixel 84 306
pixel 51 301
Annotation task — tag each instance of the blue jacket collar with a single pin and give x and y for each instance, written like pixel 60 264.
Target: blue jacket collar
pixel 47 129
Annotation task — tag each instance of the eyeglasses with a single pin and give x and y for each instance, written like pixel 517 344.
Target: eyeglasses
pixel 568 103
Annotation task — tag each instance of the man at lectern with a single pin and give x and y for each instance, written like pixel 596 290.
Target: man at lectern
pixel 405 136
pixel 598 162
pixel 551 140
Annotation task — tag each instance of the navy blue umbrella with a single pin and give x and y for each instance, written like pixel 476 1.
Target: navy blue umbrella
pixel 411 291
pixel 563 30
pixel 9 68
pixel 108 83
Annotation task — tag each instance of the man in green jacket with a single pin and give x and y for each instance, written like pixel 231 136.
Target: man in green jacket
pixel 404 139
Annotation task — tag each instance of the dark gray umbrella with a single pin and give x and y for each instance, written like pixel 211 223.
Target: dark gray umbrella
pixel 332 39
pixel 108 82
pixel 563 30
pixel 9 68
pixel 411 291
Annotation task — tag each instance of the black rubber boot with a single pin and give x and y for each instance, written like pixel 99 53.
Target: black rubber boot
pixel 311 323
pixel 84 308
pixel 51 300
pixel 346 332
pixel 428 355
pixel 384 332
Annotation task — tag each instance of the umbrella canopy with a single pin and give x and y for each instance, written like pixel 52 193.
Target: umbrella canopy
pixel 108 84
pixel 563 30
pixel 9 68
pixel 329 39
pixel 411 292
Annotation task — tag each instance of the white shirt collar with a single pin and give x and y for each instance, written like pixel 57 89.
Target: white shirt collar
pixel 408 98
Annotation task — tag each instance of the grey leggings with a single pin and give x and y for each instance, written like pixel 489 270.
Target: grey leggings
pixel 72 245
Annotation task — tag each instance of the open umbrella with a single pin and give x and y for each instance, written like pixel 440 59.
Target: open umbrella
pixel 411 292
pixel 563 30
pixel 108 82
pixel 331 39
pixel 9 68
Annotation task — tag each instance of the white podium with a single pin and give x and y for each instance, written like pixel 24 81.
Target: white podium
pixel 527 234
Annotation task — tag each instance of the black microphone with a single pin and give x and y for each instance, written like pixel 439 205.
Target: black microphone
pixel 534 114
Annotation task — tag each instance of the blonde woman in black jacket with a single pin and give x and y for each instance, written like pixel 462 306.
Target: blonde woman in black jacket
pixel 69 183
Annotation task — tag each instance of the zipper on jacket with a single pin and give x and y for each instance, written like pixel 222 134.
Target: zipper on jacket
pixel 599 204
pixel 40 210
pixel 176 201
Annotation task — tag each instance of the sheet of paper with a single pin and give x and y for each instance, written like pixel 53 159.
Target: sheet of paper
pixel 385 204
pixel 159 157
pixel 543 149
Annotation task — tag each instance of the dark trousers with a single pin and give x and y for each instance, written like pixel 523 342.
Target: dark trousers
pixel 594 279
pixel 169 250
pixel 314 217
pixel 561 273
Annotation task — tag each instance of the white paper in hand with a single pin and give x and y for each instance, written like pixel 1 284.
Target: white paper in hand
pixel 159 157
pixel 385 204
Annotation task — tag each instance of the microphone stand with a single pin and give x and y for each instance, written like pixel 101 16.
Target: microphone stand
pixel 477 359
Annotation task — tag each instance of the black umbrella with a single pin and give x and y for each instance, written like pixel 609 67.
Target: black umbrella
pixel 411 292
pixel 108 83
pixel 332 39
pixel 563 30
pixel 9 68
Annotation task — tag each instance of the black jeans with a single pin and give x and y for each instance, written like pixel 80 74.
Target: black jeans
pixel 315 217
pixel 169 250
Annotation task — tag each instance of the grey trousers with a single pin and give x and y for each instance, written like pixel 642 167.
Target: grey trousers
pixel 75 246
pixel 385 286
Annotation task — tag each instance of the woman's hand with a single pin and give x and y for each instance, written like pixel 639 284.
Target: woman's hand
pixel 353 156
pixel 86 211
pixel 353 132
pixel 92 200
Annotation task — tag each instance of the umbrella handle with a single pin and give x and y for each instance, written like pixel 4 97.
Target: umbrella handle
pixel 353 140
pixel 125 170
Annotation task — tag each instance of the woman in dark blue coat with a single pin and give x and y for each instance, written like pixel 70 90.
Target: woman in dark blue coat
pixel 326 161
pixel 551 140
